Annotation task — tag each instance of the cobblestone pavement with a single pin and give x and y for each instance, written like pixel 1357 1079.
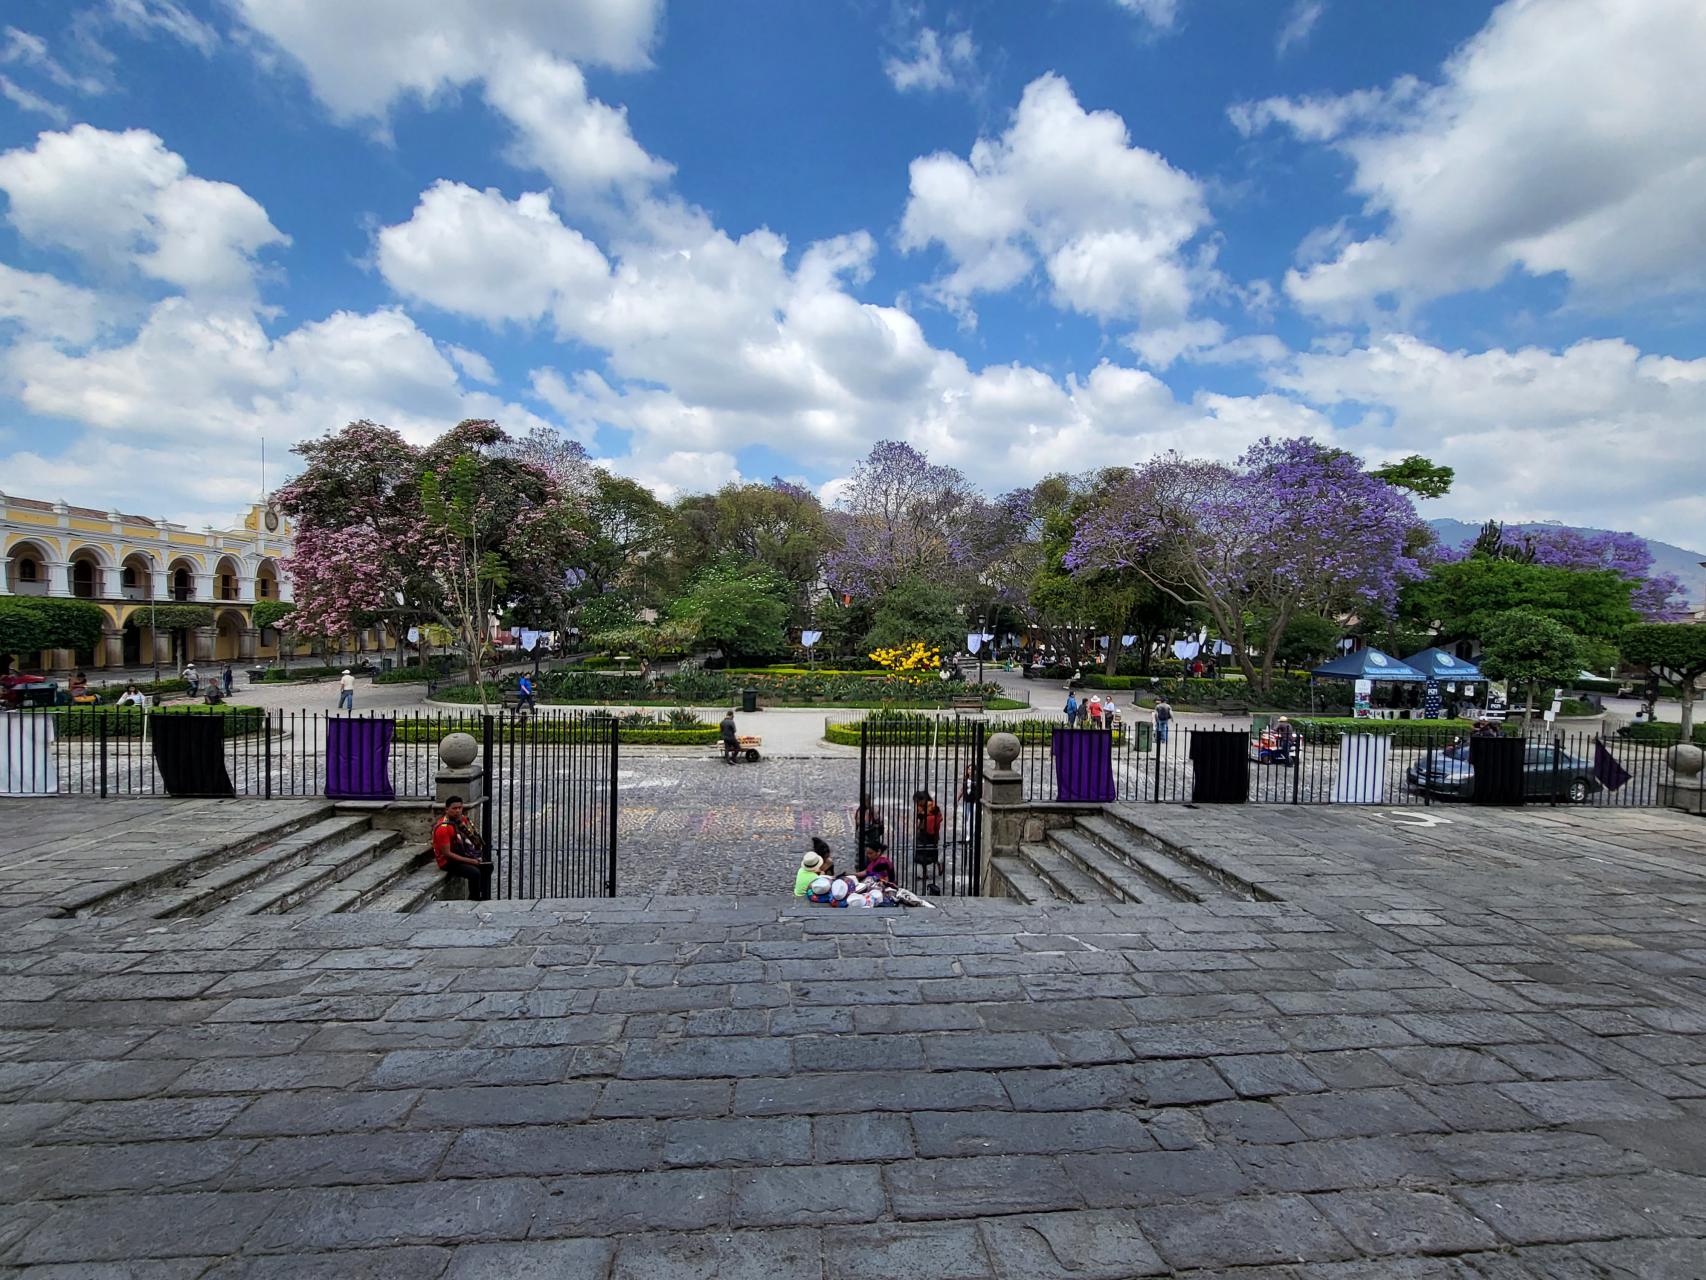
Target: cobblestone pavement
pixel 1464 1052
pixel 694 825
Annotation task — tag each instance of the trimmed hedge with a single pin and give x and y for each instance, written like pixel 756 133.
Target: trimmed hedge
pixel 279 675
pixel 1327 730
pixel 919 729
pixel 508 729
pixel 113 692
pixel 29 624
pixel 414 673
pixel 718 688
pixel 1662 732
pixel 128 722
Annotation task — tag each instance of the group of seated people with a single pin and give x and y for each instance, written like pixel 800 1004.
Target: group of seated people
pixel 871 884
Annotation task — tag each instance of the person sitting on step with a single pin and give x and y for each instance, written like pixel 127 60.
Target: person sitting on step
pixel 459 850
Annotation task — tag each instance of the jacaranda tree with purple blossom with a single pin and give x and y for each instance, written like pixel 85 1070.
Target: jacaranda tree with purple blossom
pixel 904 517
pixel 1656 597
pixel 1292 527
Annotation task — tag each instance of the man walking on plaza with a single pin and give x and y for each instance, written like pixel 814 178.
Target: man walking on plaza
pixel 1163 719
pixel 731 739
pixel 346 691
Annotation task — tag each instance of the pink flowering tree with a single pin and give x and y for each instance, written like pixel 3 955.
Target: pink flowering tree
pixel 1293 527
pixel 377 540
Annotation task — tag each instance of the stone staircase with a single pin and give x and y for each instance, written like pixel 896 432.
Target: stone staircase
pixel 1110 857
pixel 327 863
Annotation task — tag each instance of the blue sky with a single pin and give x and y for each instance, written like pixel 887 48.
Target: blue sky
pixel 720 241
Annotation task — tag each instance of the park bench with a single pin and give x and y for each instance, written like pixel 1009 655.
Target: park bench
pixel 1230 708
pixel 968 704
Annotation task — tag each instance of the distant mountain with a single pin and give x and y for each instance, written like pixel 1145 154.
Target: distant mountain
pixel 1667 558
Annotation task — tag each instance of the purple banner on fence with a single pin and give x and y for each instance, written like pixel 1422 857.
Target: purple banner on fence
pixel 1083 766
pixel 358 758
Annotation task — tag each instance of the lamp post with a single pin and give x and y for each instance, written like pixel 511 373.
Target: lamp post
pixel 980 644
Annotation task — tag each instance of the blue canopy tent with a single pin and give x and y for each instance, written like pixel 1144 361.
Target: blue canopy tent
pixel 1364 664
pixel 1439 666
pixel 1367 664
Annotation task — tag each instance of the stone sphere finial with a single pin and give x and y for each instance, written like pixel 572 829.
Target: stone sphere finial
pixel 1686 760
pixel 457 750
pixel 1003 748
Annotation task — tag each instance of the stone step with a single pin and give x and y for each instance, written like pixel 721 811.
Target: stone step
pixel 1126 836
pixel 1161 865
pixel 332 865
pixel 218 884
pixel 1020 882
pixel 135 898
pixel 359 891
pixel 1065 879
pixel 412 892
pixel 1121 881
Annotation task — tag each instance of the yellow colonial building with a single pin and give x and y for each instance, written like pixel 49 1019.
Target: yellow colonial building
pixel 126 563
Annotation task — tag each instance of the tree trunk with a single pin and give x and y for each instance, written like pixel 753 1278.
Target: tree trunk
pixel 1685 688
pixel 1528 711
pixel 1111 664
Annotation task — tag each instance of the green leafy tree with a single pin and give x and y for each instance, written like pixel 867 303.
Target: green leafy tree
pixel 915 610
pixel 1674 651
pixel 29 624
pixel 743 611
pixel 1417 475
pixel 777 525
pixel 1309 639
pixel 1525 647
pixel 277 613
pixel 1460 600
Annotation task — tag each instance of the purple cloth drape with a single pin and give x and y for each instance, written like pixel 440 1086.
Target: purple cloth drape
pixel 358 758
pixel 1606 768
pixel 1084 766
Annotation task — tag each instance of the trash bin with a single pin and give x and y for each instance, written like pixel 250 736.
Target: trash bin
pixel 749 700
pixel 385 664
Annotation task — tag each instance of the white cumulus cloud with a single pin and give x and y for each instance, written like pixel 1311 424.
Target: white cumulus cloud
pixel 1568 136
pixel 1064 188
pixel 124 200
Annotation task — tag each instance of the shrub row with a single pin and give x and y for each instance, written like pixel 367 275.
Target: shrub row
pixel 128 722
pixel 921 729
pixel 510 729
pixel 718 687
pixel 414 673
pixel 1663 732
pixel 1328 730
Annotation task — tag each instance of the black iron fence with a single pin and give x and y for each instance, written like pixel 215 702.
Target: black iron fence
pixel 1405 765
pixel 550 814
pixel 549 811
pixel 269 754
pixel 920 787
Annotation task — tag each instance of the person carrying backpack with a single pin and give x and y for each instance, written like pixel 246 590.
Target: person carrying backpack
pixel 927 840
pixel 1163 718
pixel 1071 710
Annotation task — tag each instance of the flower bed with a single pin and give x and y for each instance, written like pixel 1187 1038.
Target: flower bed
pixel 919 729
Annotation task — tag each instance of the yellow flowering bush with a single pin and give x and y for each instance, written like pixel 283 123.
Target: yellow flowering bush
pixel 914 663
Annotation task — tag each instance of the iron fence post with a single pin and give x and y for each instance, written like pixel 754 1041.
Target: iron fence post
pixel 103 722
pixel 266 754
pixel 486 825
pixel 610 855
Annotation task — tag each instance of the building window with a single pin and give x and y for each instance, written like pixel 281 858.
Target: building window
pixel 27 571
pixel 128 576
pixel 227 589
pixel 83 580
pixel 263 588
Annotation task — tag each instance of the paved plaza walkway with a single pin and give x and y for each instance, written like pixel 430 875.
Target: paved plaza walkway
pixel 1470 1050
